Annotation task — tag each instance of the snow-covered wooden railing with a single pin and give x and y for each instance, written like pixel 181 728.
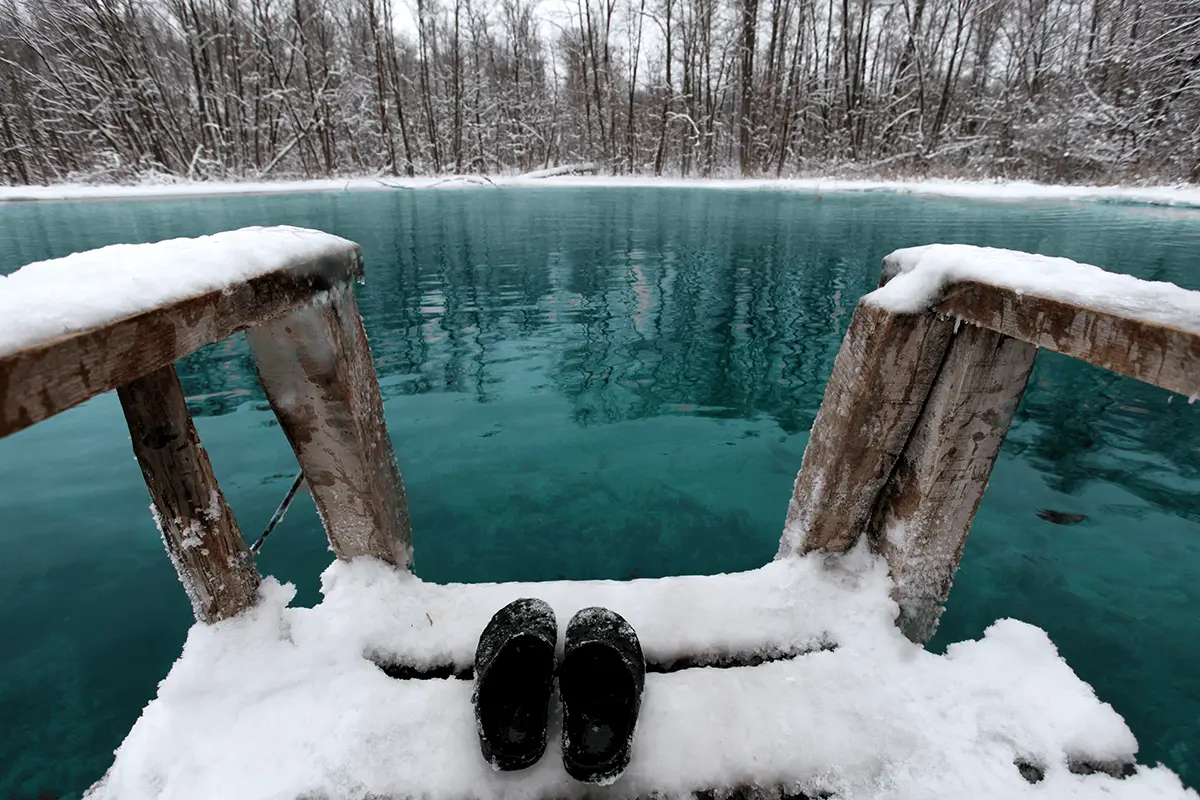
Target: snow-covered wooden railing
pixel 119 317
pixel 919 403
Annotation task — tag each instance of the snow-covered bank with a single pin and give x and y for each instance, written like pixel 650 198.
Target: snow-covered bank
pixel 285 702
pixel 1182 196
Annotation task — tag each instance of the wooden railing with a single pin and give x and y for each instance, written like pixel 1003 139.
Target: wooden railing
pixel 901 450
pixel 919 403
pixel 312 357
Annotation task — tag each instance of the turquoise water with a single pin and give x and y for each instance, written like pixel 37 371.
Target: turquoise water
pixel 602 384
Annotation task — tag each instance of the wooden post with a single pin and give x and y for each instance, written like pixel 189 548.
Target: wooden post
pixel 925 510
pixel 198 528
pixel 315 365
pixel 916 410
pixel 881 378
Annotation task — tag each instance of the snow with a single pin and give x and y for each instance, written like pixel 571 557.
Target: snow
pixel 922 272
pixel 1183 196
pixel 193 536
pixel 49 299
pixel 284 702
pixel 896 534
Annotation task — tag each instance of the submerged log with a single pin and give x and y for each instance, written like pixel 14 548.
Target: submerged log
pixel 316 368
pixel 881 378
pixel 924 513
pixel 197 526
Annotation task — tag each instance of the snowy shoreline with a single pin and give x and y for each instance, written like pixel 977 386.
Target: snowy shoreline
pixel 1185 196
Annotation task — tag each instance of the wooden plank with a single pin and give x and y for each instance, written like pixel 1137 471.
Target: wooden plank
pixel 197 527
pixel 925 510
pixel 316 367
pixel 40 381
pixel 881 377
pixel 1152 352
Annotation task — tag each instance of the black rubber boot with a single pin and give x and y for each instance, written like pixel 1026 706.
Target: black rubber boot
pixel 514 676
pixel 600 681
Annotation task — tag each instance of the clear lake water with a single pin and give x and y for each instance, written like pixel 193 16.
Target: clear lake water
pixel 603 383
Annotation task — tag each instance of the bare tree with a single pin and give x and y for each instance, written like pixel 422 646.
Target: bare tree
pixel 105 90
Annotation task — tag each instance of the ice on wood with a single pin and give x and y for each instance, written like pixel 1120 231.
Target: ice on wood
pixel 49 299
pixel 286 702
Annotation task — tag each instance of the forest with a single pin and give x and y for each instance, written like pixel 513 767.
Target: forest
pixel 147 90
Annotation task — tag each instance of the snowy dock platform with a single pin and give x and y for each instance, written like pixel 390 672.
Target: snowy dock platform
pixel 287 703
pixel 805 678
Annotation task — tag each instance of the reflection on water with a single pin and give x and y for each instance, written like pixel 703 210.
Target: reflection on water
pixel 697 310
pixel 604 384
pixel 1081 425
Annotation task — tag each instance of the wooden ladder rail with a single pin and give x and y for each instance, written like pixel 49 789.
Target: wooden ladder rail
pixel 916 410
pixel 311 353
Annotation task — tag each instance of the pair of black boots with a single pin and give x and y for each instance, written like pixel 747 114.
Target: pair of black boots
pixel 600 683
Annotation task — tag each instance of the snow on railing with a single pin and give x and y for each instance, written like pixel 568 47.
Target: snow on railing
pixel 918 404
pixel 119 317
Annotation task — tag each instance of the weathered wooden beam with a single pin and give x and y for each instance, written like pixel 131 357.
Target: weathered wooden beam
pixel 40 381
pixel 881 377
pixel 924 513
pixel 1159 354
pixel 916 411
pixel 316 367
pixel 197 527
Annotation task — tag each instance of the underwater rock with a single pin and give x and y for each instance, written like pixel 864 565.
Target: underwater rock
pixel 1061 517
